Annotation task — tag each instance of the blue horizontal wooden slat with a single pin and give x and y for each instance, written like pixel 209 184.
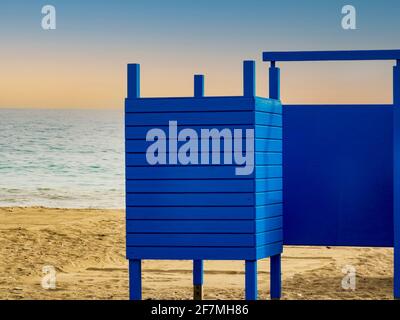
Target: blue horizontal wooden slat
pixel 263 172
pixel 262 185
pixel 189 103
pixel 266 105
pixel 195 118
pixel 268 119
pixel 261 131
pixel 203 226
pixel 199 172
pixel 268 224
pixel 269 211
pixel 204 253
pixel 183 186
pixel 159 105
pixel 265 198
pixel 269 237
pixel 198 253
pixel 192 199
pixel 261 159
pixel 191 240
pixel 332 55
pixel 190 226
pixel 269 250
pixel 261 145
pixel 202 240
pixel 197 213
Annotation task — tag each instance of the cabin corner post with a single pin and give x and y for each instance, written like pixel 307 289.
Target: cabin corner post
pixel 251 279
pixel 198 266
pixel 275 261
pixel 133 81
pixel 135 279
pixel 198 279
pixel 396 177
pixel 199 86
pixel 274 82
pixel 249 78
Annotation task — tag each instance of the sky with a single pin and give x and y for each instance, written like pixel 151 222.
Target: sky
pixel 82 64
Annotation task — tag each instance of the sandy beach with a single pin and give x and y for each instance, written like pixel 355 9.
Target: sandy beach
pixel 87 249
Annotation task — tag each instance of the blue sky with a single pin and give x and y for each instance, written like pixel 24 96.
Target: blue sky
pixel 82 63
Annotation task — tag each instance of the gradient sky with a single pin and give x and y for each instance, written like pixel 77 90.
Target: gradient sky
pixel 82 64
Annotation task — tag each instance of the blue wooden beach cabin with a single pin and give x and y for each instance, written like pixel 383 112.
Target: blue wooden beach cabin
pixel 342 166
pixel 198 211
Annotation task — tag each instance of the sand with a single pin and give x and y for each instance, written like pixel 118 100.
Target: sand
pixel 87 250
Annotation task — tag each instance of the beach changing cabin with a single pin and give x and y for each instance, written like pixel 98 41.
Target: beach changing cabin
pixel 204 179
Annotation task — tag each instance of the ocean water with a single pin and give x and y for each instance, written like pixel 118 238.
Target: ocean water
pixel 61 158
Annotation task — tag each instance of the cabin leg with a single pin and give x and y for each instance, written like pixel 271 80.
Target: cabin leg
pixel 198 271
pixel 275 274
pixel 251 280
pixel 396 178
pixel 135 279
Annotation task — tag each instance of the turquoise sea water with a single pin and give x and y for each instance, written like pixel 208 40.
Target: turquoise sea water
pixel 61 158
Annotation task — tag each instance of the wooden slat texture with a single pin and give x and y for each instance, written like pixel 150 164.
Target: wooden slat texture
pixel 193 213
pixel 201 240
pixel 204 253
pixel 261 131
pixel 261 159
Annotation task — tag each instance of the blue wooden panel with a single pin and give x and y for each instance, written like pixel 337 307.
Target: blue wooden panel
pixel 203 226
pixel 338 168
pixel 268 105
pixel 204 253
pixel 269 237
pixel 265 131
pixel 269 211
pixel 269 250
pixel 197 118
pixel 261 131
pixel 197 172
pixel 183 186
pixel 332 55
pixel 193 199
pixel 268 224
pixel 197 213
pixel 263 172
pixel 265 198
pixel 263 185
pixel 196 240
pixel 204 104
pixel 261 145
pixel 268 119
pixel 261 158
pixel 190 226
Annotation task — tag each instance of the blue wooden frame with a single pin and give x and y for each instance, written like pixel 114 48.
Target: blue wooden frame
pixel 318 220
pixel 206 212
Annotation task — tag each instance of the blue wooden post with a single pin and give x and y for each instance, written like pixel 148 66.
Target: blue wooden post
pixel 275 285
pixel 249 78
pixel 198 271
pixel 396 177
pixel 133 81
pixel 199 86
pixel 275 261
pixel 274 82
pixel 251 279
pixel 135 279
pixel 198 264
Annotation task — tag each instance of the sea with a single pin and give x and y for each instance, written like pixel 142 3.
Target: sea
pixel 62 158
